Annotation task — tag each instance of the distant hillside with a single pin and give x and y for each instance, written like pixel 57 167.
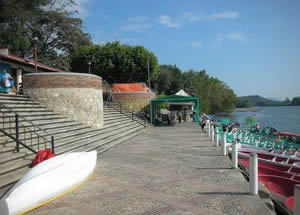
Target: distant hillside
pixel 256 100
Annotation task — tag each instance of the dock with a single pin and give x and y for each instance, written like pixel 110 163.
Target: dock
pixel 170 170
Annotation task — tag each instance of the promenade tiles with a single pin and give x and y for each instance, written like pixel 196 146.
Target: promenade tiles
pixel 164 170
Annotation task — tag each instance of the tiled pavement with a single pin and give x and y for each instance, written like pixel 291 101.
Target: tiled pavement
pixel 164 170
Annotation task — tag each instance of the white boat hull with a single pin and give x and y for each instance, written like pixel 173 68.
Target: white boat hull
pixel 47 181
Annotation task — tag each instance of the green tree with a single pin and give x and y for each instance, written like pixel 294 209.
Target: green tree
pixel 116 62
pixel 59 32
pixel 296 100
pixel 243 103
pixel 215 96
pixel 170 81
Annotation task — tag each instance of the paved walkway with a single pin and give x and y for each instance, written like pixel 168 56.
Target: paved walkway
pixel 165 170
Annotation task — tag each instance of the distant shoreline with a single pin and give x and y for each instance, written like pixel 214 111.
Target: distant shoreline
pixel 250 109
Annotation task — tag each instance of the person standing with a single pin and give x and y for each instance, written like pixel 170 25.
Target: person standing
pixel 184 115
pixel 7 80
pixel 179 117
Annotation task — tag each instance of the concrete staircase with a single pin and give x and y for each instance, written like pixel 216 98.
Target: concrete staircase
pixel 69 135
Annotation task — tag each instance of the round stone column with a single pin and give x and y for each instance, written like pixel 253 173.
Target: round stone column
pixel 77 96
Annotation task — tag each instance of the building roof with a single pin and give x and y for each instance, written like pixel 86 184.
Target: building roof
pixel 182 93
pixel 29 63
pixel 130 87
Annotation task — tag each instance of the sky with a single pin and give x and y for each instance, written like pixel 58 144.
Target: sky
pixel 253 46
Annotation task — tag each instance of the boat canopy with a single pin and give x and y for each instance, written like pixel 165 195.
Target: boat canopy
pixel 175 99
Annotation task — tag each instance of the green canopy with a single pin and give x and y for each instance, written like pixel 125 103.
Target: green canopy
pixel 154 103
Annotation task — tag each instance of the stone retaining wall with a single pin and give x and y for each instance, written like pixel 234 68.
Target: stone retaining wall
pixel 75 95
pixel 134 101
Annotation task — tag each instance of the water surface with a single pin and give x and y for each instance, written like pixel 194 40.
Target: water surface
pixel 284 118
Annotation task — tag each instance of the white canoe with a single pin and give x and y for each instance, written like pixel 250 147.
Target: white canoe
pixel 47 181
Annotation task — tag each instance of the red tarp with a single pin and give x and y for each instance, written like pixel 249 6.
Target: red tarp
pixel 42 155
pixel 132 87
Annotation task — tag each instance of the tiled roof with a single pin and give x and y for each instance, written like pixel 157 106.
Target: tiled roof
pixel 28 62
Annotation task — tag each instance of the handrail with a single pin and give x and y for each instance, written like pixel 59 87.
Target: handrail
pixel 111 102
pixel 18 126
pixel 127 113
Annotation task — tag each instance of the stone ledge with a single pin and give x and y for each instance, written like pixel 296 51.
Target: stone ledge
pixel 61 80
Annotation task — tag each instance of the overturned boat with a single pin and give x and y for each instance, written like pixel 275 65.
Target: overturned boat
pixel 48 181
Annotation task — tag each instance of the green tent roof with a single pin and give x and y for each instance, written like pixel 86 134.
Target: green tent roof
pixel 174 98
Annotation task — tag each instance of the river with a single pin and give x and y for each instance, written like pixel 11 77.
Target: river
pixel 283 118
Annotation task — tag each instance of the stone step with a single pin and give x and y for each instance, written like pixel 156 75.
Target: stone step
pixel 11 156
pixel 50 127
pixel 18 102
pixel 7 180
pixel 99 134
pixel 18 109
pixel 116 122
pixel 33 138
pixel 14 98
pixel 97 139
pixel 58 135
pixel 41 124
pixel 32 119
pixel 28 114
pixel 116 140
pixel 17 164
pixel 110 110
pixel 63 147
pixel 109 121
pixel 9 145
pixel 115 116
pixel 29 111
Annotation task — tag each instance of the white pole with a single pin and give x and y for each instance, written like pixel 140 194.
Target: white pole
pixel 151 117
pixel 224 144
pixel 217 137
pixel 253 172
pixel 208 128
pixel 234 155
pixel 212 133
pixel 297 199
pixel 19 79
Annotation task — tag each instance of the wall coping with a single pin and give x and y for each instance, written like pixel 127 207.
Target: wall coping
pixel 62 73
pixel 61 80
pixel 133 93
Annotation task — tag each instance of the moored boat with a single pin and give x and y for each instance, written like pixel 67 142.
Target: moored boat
pixel 288 157
pixel 47 181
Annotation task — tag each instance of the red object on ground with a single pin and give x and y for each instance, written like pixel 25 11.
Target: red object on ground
pixel 42 155
pixel 290 202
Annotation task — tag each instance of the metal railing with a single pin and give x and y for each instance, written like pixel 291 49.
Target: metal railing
pixel 24 132
pixel 113 103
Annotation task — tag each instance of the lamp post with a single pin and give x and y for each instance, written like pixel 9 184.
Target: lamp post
pixel 148 70
pixel 35 39
pixel 89 66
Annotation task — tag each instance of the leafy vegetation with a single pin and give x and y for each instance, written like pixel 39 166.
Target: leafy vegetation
pixel 59 32
pixel 116 62
pixel 296 101
pixel 215 96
